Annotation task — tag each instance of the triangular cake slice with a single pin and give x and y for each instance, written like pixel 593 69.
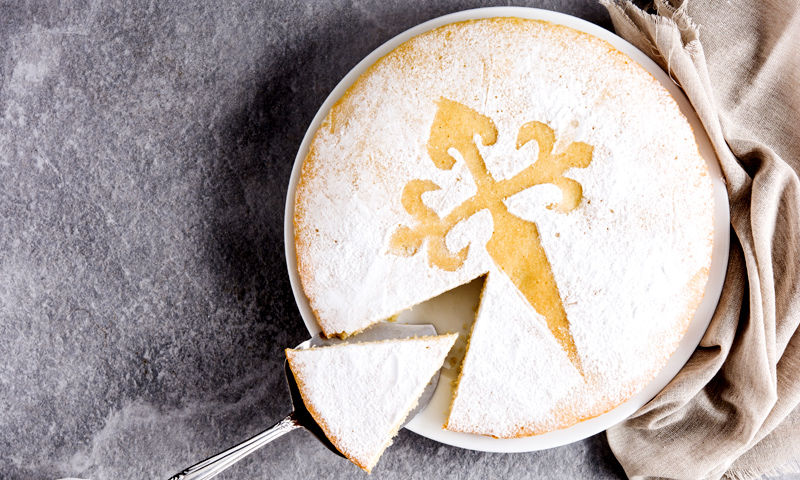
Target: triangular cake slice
pixel 361 393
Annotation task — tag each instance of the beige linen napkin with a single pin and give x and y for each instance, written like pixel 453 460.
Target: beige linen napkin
pixel 733 409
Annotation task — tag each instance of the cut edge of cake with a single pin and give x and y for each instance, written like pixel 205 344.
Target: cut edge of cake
pixel 457 381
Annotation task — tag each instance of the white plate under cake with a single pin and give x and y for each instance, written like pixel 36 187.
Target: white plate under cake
pixel 534 156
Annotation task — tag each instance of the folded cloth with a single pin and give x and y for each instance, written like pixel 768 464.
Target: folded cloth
pixel 733 410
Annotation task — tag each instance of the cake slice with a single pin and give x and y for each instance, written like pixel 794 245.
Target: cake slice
pixel 360 393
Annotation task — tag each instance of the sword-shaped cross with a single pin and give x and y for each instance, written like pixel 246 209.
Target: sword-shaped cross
pixel 515 245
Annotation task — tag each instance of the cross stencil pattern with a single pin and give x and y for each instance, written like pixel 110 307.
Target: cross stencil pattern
pixel 515 245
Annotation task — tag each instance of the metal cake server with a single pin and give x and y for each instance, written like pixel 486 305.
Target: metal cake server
pixel 300 417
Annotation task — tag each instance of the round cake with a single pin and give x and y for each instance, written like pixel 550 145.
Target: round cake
pixel 541 159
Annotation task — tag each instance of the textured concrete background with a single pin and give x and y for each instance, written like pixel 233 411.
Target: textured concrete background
pixel 145 153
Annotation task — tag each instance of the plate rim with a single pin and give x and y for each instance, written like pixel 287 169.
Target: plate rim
pixel 720 250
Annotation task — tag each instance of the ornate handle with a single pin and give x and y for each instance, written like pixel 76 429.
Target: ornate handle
pixel 213 466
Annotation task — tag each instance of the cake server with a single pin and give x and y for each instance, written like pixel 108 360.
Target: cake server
pixel 301 417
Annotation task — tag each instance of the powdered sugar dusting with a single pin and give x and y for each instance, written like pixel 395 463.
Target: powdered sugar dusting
pixel 360 393
pixel 622 260
pixel 476 229
pixel 457 186
pixel 514 374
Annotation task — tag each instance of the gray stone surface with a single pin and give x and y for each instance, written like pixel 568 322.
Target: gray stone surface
pixel 145 151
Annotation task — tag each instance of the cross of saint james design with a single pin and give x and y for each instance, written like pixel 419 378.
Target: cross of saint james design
pixel 515 246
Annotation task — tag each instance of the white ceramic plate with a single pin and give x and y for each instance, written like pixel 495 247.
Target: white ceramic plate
pixel 454 311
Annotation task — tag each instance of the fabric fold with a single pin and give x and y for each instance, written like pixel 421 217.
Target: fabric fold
pixel 732 411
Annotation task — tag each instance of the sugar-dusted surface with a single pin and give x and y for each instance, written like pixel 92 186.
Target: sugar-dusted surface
pixel 510 358
pixel 630 262
pixel 360 393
